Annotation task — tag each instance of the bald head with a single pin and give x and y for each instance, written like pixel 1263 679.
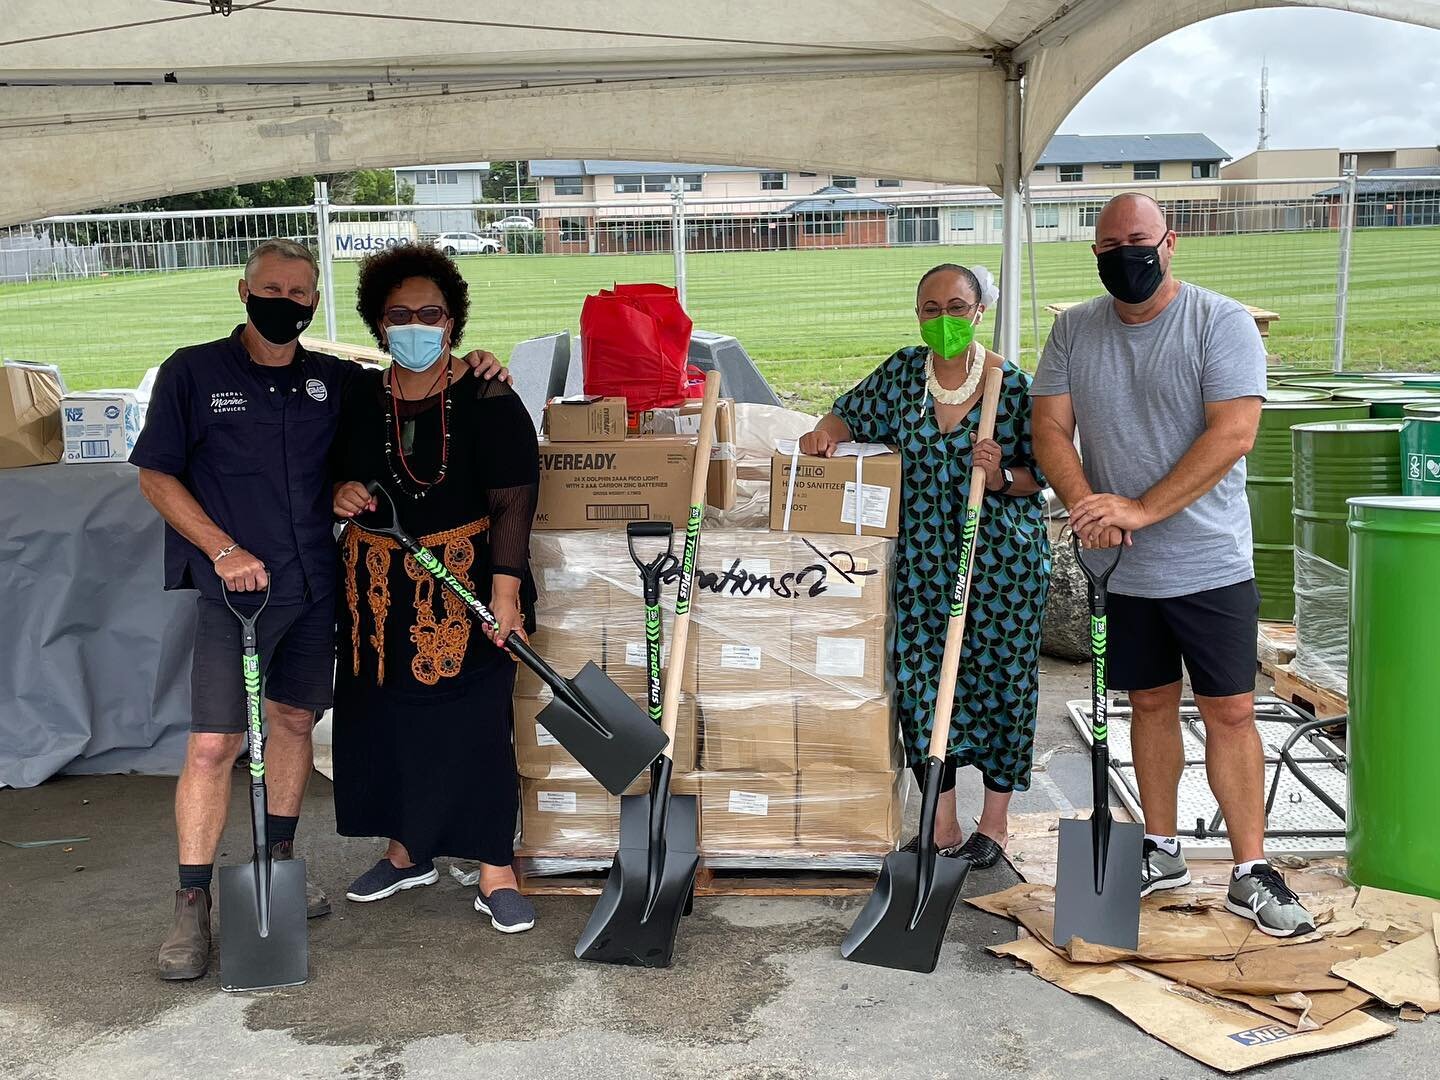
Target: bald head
pixel 1131 218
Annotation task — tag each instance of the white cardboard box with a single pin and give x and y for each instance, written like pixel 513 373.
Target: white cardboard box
pixel 99 425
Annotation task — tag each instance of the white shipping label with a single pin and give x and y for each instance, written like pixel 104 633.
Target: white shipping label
pixel 636 655
pixel 837 585
pixel 543 737
pixel 740 657
pixel 687 425
pixel 555 802
pixel 840 657
pixel 750 802
pixel 875 505
pixel 557 580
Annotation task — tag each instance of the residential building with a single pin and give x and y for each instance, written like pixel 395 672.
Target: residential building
pixel 436 185
pixel 1384 197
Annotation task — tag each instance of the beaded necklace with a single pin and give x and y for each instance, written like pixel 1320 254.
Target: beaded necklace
pixel 395 443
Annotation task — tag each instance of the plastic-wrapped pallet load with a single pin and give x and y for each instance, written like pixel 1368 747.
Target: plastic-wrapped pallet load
pixel 1322 622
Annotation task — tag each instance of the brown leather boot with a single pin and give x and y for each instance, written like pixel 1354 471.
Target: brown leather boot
pixel 186 952
pixel 316 902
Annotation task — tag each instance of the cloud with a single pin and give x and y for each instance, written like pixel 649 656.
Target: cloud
pixel 1336 79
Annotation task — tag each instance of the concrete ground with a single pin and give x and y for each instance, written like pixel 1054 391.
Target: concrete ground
pixel 419 986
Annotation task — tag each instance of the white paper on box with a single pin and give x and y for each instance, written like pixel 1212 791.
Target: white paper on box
pixel 754 803
pixel 875 505
pixel 852 589
pixel 555 802
pixel 99 425
pixel 839 657
pixel 740 657
pixel 636 655
pixel 557 580
pixel 543 737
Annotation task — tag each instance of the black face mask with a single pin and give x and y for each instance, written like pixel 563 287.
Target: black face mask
pixel 279 319
pixel 1131 274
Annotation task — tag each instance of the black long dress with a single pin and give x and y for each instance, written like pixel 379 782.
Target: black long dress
pixel 422 739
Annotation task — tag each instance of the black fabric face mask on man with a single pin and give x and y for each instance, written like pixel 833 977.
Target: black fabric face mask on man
pixel 279 319
pixel 1131 274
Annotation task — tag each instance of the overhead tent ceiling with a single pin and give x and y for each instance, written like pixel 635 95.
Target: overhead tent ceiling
pixel 115 100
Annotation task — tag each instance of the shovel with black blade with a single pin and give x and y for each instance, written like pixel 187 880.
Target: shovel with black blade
pixel 652 879
pixel 903 923
pixel 263 941
pixel 1097 880
pixel 591 717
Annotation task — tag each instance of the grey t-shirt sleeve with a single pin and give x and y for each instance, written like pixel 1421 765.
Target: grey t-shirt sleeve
pixel 1052 374
pixel 1233 363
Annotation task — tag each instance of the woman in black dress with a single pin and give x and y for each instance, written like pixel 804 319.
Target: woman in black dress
pixel 422 740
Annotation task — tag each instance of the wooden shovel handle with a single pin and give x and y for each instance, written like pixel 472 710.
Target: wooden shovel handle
pixel 955 629
pixel 680 635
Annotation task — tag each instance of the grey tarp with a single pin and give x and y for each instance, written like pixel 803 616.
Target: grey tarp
pixel 94 656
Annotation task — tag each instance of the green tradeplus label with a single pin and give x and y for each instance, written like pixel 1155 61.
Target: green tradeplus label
pixel 251 667
pixel 967 556
pixel 652 650
pixel 434 566
pixel 1100 722
pixel 687 563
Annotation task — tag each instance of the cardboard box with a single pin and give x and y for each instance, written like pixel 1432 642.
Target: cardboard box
pixel 748 736
pixel 605 485
pixel 626 657
pixel 29 416
pixel 747 812
pixel 838 575
pixel 571 590
pixel 99 425
pixel 824 496
pixel 685 420
pixel 537 753
pixel 849 811
pixel 838 732
pixel 751 662
pixel 585 419
pixel 564 650
pixel 851 657
pixel 567 812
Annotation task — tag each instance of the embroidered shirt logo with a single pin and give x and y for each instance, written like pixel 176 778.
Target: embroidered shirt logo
pixel 316 389
pixel 228 401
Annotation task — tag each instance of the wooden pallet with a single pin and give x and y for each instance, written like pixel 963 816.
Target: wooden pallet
pixel 713 882
pixel 1300 691
pixel 1275 646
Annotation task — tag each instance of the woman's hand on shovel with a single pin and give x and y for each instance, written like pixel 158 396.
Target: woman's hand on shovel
pixel 352 498
pixel 509 619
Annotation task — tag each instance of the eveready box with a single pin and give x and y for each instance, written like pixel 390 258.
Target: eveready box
pixel 585 419
pixel 99 425
pixel 604 485
pixel 829 494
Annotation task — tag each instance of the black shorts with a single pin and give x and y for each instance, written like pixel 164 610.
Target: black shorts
pixel 1212 632
pixel 297 658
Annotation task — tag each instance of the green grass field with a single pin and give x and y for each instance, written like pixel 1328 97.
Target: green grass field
pixel 816 321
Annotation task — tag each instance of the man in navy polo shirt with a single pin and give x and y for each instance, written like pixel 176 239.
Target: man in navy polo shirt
pixel 234 456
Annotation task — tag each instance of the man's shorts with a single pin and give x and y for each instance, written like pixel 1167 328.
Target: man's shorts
pixel 297 658
pixel 1212 632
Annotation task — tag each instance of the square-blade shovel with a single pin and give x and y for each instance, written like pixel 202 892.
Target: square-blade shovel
pixel 263 940
pixel 591 717
pixel 1097 882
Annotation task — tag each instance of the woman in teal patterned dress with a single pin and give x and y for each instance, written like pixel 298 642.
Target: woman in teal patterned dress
pixel 926 400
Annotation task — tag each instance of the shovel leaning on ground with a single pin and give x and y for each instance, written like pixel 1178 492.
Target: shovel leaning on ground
pixel 590 716
pixel 652 879
pixel 1097 879
pixel 263 940
pixel 903 923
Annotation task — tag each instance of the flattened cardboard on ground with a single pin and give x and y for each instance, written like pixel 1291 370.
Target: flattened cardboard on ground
pixel 1224 1035
pixel 1408 974
pixel 1305 1012
pixel 1302 968
pixel 1404 910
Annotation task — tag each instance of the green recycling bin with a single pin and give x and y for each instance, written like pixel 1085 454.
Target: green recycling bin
pixel 1420 455
pixel 1393 739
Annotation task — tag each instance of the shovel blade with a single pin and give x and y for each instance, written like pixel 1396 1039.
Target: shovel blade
pixel 635 920
pixel 1111 915
pixel 883 934
pixel 281 957
pixel 628 742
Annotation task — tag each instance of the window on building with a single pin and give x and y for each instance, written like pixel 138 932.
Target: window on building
pixel 1089 214
pixel 690 181
pixel 962 220
pixel 824 224
pixel 425 176
pixel 997 220
pixel 1072 174
pixel 1047 216
pixel 629 183
pixel 1112 165
pixel 772 181
pixel 1204 170
pixel 1147 170
pixel 887 183
pixel 447 176
pixel 569 185
pixel 809 174
pixel 573 230
pixel 843 181
pixel 1041 168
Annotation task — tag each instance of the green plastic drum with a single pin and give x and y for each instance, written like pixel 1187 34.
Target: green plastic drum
pixel 1394 684
pixel 1420 455
pixel 1296 393
pixel 1335 382
pixel 1425 411
pixel 1401 376
pixel 1389 403
pixel 1268 490
pixel 1428 382
pixel 1336 461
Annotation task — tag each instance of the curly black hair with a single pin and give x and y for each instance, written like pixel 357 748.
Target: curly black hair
pixel 382 272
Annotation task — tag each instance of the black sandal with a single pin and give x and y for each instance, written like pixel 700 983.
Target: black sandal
pixel 980 851
pixel 913 846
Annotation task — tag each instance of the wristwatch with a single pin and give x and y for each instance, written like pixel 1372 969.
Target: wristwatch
pixel 1009 481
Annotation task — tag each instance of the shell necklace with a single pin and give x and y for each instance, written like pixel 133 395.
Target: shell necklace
pixel 965 390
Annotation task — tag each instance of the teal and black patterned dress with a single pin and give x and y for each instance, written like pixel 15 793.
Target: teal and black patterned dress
pixel 998 689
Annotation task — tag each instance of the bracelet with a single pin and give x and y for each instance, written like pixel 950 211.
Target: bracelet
pixel 225 551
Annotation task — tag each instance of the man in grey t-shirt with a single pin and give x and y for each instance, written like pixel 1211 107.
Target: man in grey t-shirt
pixel 1165 382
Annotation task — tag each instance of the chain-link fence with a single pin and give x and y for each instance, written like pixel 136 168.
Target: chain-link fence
pixel 818 287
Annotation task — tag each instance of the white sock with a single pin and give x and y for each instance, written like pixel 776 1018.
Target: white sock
pixel 1243 868
pixel 1168 844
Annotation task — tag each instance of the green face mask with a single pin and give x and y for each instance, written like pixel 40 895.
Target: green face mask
pixel 946 335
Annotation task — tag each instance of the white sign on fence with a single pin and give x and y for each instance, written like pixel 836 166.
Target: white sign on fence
pixel 356 239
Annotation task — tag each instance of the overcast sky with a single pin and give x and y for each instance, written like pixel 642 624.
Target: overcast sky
pixel 1335 79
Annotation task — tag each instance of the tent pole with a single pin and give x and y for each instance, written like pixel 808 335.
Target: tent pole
pixel 1009 321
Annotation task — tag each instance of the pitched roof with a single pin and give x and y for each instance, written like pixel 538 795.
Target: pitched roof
pixel 1383 181
pixel 839 201
pixel 594 167
pixel 1097 149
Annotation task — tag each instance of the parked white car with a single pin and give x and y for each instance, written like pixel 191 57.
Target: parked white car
pixel 510 224
pixel 467 243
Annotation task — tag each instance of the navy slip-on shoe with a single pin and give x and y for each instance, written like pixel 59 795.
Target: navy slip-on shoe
pixel 386 879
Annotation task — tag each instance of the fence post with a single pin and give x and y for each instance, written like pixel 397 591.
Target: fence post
pixel 327 251
pixel 677 234
pixel 1342 276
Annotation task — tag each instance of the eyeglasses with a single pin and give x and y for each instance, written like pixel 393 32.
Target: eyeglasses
pixel 956 310
pixel 430 315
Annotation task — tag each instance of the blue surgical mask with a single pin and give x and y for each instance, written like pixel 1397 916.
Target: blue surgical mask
pixel 415 346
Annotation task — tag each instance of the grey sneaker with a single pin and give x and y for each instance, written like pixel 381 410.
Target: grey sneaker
pixel 1161 870
pixel 509 912
pixel 385 879
pixel 1263 897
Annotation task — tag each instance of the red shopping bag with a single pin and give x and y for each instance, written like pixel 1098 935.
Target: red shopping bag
pixel 634 341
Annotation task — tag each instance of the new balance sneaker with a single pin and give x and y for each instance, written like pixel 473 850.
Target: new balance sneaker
pixel 1161 870
pixel 509 912
pixel 1263 897
pixel 386 879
